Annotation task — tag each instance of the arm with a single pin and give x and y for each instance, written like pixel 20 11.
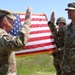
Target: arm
pixel 59 39
pixel 9 43
pixel 51 24
pixel 52 28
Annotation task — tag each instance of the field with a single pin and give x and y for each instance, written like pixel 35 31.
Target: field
pixel 40 64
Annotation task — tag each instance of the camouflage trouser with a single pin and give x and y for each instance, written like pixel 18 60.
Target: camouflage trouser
pixel 57 66
pixel 57 60
pixel 65 73
pixel 66 69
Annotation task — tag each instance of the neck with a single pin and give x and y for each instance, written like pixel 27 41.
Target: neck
pixel 73 21
pixel 4 28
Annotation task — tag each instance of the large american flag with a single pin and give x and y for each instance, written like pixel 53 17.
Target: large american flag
pixel 40 38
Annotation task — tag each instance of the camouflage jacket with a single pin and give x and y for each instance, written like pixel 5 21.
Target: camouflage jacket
pixel 58 34
pixel 59 40
pixel 8 44
pixel 69 49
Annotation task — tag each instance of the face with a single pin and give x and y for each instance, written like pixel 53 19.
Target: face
pixel 71 14
pixel 8 24
pixel 60 24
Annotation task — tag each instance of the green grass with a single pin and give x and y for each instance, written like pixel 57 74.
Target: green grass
pixel 35 65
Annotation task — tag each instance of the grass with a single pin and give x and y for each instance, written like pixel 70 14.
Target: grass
pixel 35 65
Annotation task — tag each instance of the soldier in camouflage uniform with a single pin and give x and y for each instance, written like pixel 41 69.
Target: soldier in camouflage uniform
pixel 68 64
pixel 58 37
pixel 9 44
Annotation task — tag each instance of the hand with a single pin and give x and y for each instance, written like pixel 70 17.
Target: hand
pixel 52 18
pixel 56 50
pixel 28 15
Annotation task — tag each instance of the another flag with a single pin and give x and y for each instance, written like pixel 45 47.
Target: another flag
pixel 40 38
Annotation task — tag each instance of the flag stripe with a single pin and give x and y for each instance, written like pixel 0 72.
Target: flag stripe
pixel 41 35
pixel 41 38
pixel 40 31
pixel 39 45
pixel 39 42
pixel 38 25
pixel 33 19
pixel 42 16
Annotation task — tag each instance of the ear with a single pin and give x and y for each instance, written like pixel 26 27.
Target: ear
pixel 4 20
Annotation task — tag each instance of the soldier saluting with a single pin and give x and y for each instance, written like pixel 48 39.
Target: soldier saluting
pixel 8 43
pixel 59 40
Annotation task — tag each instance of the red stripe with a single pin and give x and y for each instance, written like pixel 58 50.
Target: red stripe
pixel 39 45
pixel 22 19
pixel 40 31
pixel 40 38
pixel 38 19
pixel 38 15
pixel 38 25
pixel 34 19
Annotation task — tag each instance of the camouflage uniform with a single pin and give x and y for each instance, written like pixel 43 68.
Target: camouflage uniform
pixel 59 40
pixel 9 44
pixel 67 46
pixel 68 64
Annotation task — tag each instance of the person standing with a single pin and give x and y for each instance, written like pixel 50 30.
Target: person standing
pixel 58 55
pixel 9 44
pixel 68 64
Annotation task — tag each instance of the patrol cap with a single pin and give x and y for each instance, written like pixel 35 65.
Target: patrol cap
pixel 6 13
pixel 71 6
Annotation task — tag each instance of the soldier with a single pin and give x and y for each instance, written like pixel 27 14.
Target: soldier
pixel 57 56
pixel 8 43
pixel 68 64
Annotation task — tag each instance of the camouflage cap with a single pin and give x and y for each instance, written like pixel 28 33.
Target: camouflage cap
pixel 9 14
pixel 71 6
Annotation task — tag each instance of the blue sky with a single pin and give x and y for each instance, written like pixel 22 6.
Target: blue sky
pixel 38 6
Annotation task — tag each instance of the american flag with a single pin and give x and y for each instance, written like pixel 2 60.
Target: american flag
pixel 40 38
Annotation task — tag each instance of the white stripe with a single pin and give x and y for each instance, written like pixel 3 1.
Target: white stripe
pixel 34 16
pixel 39 42
pixel 22 22
pixel 37 49
pixel 40 35
pixel 38 16
pixel 36 22
pixel 39 28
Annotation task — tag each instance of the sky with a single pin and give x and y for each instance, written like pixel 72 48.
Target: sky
pixel 38 7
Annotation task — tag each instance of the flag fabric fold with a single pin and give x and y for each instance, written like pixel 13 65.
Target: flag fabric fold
pixel 40 39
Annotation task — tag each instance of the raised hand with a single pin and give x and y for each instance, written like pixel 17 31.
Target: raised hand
pixel 28 16
pixel 52 18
